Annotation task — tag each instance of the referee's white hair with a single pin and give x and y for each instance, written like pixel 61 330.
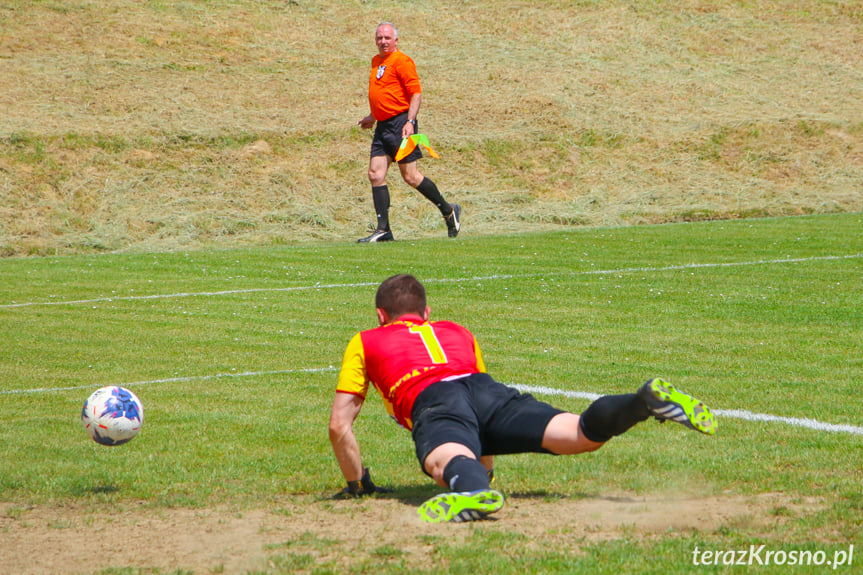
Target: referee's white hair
pixel 391 25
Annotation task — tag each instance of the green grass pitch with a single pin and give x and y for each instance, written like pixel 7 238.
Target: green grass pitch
pixel 234 354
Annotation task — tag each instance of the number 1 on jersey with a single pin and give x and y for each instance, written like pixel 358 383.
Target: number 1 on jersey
pixel 426 332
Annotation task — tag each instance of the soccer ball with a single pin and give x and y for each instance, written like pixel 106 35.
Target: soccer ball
pixel 112 415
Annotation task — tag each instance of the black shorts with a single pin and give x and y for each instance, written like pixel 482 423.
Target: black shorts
pixel 476 411
pixel 388 138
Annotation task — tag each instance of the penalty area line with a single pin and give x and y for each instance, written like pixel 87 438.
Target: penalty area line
pixel 185 379
pixel 540 390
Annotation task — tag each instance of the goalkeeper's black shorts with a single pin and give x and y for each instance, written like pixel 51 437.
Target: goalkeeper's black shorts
pixel 476 411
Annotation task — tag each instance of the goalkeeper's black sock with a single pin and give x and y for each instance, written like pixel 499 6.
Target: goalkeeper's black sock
pixel 432 194
pixel 381 199
pixel 465 474
pixel 612 415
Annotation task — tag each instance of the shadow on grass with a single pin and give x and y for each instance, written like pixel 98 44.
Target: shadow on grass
pixel 101 489
pixel 104 489
pixel 413 495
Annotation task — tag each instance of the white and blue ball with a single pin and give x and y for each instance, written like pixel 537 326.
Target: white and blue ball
pixel 112 415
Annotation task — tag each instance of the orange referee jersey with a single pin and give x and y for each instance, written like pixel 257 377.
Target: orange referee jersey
pixel 404 357
pixel 392 83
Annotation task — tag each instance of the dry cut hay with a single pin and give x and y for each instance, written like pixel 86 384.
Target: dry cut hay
pixel 134 125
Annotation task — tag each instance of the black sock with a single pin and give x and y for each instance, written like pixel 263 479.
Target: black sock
pixel 465 474
pixel 612 415
pixel 430 191
pixel 381 199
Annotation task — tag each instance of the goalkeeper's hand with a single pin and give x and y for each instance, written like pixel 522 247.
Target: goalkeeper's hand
pixel 365 486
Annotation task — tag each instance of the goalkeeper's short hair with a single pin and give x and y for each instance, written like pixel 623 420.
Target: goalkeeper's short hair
pixel 401 294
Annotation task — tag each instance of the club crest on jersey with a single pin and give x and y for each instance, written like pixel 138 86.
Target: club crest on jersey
pixel 381 69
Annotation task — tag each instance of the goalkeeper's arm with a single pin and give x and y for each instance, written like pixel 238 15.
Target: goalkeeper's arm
pixel 346 407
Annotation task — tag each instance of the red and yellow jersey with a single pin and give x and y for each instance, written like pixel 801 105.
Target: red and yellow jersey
pixel 392 83
pixel 404 357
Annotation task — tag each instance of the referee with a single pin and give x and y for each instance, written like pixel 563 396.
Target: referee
pixel 394 98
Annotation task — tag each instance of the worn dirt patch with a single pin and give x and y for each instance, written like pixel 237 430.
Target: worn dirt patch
pixel 60 540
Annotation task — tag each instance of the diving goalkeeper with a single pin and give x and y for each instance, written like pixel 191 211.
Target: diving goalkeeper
pixel 433 381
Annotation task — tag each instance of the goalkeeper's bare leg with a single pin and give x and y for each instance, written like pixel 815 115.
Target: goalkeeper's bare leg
pixel 613 415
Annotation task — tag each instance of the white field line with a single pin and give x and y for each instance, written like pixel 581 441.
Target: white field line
pixel 540 390
pixel 731 413
pixel 426 280
pixel 171 380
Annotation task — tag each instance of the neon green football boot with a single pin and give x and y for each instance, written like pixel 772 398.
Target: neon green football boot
pixel 459 507
pixel 666 402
